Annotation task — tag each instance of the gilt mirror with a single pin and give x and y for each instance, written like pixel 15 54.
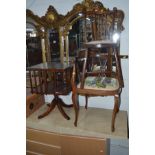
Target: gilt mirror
pixel 34 39
pixel 89 21
pixel 63 36
pixel 52 21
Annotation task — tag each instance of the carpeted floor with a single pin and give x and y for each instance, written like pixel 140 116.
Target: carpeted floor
pixel 94 122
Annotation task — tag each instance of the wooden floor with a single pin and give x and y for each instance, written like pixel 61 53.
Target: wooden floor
pixel 93 122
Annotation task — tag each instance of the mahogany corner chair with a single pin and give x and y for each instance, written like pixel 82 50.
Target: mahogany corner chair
pixel 94 69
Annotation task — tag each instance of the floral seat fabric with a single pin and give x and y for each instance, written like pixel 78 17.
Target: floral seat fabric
pixel 100 83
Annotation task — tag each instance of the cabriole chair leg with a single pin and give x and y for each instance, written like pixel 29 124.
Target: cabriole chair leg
pixel 115 111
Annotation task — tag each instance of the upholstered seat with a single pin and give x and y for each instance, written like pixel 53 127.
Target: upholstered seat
pixel 106 83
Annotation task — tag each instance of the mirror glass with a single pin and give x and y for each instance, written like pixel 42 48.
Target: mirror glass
pixel 54 44
pixel 80 33
pixel 74 39
pixel 91 27
pixel 33 45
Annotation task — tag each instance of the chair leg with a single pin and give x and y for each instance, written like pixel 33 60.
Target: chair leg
pixel 86 105
pixel 75 100
pixel 115 111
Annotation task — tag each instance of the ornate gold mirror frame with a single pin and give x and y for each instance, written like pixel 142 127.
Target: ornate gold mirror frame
pixel 63 24
pixel 82 10
pixel 52 22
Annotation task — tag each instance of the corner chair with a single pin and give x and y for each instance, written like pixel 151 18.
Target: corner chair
pixel 96 81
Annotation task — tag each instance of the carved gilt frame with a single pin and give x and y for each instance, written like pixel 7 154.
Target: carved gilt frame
pixel 63 24
pixel 52 20
pixel 89 7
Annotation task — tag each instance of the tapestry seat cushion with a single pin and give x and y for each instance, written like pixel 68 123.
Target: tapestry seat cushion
pixel 100 83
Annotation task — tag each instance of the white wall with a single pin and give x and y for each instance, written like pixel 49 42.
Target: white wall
pixel 39 7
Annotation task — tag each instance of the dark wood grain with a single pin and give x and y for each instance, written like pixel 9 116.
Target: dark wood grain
pixel 53 78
